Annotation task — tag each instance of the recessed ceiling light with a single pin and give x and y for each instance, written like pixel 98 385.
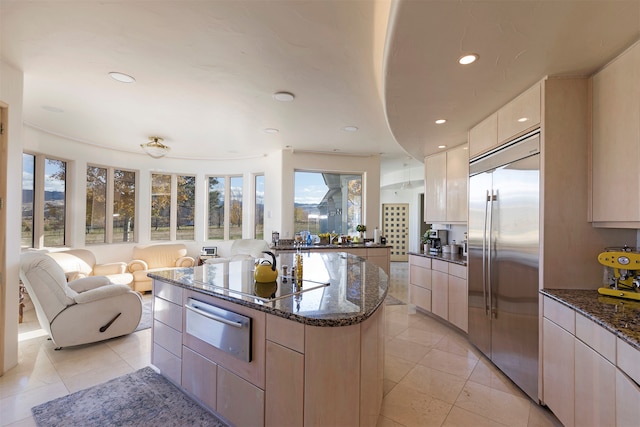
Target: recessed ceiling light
pixel 283 96
pixel 335 150
pixel 441 121
pixel 523 119
pixel 51 109
pixel 468 59
pixel 122 78
pixel 442 146
pixel 271 130
pixel 350 128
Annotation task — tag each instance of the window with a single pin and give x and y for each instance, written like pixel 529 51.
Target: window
pixel 160 207
pixel 186 207
pixel 258 229
pixel 215 229
pixel 111 193
pixel 235 208
pixel 28 190
pixel 224 213
pixel 327 202
pixel 124 205
pixel 96 205
pixel 173 205
pixel 44 201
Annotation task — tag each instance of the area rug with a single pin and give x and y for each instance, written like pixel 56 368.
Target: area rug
pixel 142 398
pixel 146 319
pixel 391 300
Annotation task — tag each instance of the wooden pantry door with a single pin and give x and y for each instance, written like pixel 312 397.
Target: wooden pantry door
pixel 395 227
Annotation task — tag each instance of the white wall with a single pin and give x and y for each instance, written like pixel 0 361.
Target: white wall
pixel 11 84
pixel 278 169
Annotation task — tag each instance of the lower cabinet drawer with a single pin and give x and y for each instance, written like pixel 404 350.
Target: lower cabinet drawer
pixel 167 337
pixel 168 363
pixel 420 297
pixel 199 377
pixel 238 400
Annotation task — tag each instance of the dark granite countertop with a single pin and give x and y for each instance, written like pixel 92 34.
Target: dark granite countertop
pixel 617 315
pixel 319 247
pixel 454 258
pixel 356 288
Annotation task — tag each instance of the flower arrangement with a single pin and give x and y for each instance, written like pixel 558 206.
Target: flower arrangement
pixel 361 228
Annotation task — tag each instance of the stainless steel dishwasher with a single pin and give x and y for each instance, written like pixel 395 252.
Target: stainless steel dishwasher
pixel 223 329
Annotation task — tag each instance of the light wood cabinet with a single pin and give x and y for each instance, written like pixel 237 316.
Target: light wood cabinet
pixel 520 115
pixel 420 282
pixel 627 401
pixel 558 374
pixel 284 397
pixel 616 142
pixel 238 400
pixel 484 136
pixel 166 353
pixel 595 385
pixel 458 296
pixel 440 287
pixel 199 376
pixel 457 177
pixel 584 376
pixel 435 188
pixel 446 176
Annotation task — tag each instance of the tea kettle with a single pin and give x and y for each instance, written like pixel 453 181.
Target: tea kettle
pixel 266 270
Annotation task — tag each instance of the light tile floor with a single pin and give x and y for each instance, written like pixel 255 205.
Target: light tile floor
pixel 433 376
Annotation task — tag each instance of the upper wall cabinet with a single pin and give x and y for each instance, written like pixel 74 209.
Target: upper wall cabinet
pixel 514 119
pixel 520 115
pixel 616 142
pixel 484 136
pixel 445 196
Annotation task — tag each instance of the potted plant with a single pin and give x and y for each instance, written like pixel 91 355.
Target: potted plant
pixel 361 229
pixel 425 241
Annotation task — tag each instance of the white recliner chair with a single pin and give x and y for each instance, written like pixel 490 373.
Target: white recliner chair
pixel 79 312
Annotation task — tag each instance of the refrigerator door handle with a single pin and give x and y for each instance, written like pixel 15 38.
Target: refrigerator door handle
pixel 484 255
pixel 492 309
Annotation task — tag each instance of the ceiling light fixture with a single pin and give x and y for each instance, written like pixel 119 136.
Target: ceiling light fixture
pixel 350 129
pixel 468 59
pixel 121 77
pixel 155 148
pixel 271 130
pixel 283 96
pixel 441 121
pixel 442 146
pixel 523 119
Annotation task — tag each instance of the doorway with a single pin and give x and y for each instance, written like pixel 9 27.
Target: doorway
pixel 395 227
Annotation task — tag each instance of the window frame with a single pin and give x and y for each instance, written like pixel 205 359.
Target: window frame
pixel 227 205
pixel 109 201
pixel 173 206
pixel 39 175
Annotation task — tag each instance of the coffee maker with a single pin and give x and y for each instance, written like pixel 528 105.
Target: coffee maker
pixel 435 239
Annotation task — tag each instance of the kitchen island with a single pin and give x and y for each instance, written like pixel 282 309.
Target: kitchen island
pixel 284 353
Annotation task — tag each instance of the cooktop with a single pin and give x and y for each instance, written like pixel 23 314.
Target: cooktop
pixel 236 277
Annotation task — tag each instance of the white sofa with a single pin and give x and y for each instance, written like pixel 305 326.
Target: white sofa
pixel 83 311
pixel 156 257
pixel 80 263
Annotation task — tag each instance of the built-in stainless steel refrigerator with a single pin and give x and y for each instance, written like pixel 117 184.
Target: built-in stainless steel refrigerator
pixel 503 258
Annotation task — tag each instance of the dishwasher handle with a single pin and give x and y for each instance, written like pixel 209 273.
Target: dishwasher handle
pixel 196 309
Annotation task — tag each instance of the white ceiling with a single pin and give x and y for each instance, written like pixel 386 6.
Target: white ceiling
pixel 206 70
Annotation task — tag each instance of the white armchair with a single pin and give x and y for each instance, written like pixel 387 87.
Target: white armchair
pixel 80 263
pixel 156 257
pixel 86 310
